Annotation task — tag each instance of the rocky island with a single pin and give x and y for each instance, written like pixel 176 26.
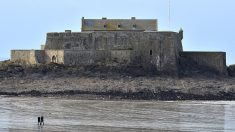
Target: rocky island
pixel 99 82
pixel 118 59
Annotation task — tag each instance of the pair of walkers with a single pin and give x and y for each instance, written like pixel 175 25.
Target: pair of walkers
pixel 40 121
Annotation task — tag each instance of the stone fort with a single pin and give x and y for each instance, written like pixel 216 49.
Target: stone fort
pixel 120 41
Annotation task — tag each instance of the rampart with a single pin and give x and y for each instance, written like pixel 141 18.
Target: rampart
pixel 37 56
pixel 28 56
pixel 211 60
pixel 152 50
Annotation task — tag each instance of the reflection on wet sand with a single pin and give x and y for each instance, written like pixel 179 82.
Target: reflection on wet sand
pixel 60 114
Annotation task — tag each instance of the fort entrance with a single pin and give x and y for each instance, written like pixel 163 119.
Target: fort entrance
pixel 53 59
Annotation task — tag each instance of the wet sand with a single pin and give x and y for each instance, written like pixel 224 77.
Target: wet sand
pixel 64 114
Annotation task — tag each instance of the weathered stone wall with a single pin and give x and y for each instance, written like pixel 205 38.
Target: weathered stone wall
pixel 83 57
pixel 158 50
pixel 37 56
pixel 26 56
pixel 70 41
pixel 121 56
pixel 74 57
pixel 213 60
pixel 231 70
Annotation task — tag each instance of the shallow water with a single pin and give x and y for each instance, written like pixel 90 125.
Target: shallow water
pixel 20 114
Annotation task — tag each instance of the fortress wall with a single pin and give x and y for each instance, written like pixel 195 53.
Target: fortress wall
pixel 213 60
pixel 131 47
pixel 84 57
pixel 101 56
pixel 27 56
pixel 103 40
pixel 78 57
pixel 160 51
pixel 140 43
pixel 169 54
pixel 39 56
pixel 121 56
pixel 70 41
pixel 57 54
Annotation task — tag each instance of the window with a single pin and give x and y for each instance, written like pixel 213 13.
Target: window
pixel 119 25
pixel 151 52
pixel 134 26
pixel 105 26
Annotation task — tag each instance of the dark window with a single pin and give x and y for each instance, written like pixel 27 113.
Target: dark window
pixel 119 26
pixel 151 52
pixel 134 26
pixel 105 26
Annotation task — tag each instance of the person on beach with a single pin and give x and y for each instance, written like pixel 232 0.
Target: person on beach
pixel 39 121
pixel 42 121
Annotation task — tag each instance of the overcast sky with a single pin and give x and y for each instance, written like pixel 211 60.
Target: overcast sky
pixel 208 25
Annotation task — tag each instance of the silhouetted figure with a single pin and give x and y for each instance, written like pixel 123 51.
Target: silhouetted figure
pixel 42 121
pixel 39 121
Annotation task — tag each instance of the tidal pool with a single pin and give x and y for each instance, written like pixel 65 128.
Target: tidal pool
pixel 64 114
